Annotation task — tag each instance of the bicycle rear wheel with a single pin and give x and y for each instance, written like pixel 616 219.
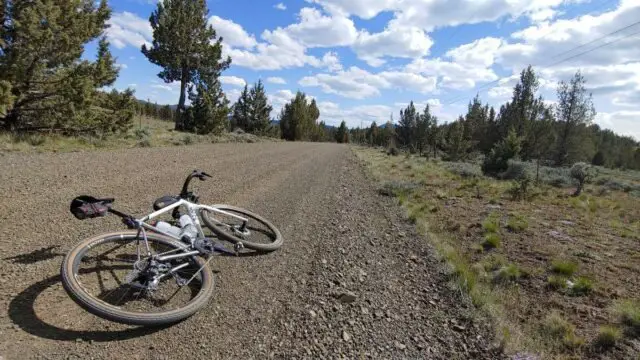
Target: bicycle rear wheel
pixel 259 234
pixel 105 276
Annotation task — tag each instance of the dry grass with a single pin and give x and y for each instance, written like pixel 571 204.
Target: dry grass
pixel 600 231
pixel 145 132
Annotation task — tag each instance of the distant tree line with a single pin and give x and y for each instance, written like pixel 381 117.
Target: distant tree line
pixel 526 128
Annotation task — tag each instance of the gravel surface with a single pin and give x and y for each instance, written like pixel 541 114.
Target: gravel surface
pixel 352 279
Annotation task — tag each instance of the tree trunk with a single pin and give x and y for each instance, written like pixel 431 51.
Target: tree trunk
pixel 180 109
pixel 538 170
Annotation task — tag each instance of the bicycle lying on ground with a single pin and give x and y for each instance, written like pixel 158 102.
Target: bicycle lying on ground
pixel 157 273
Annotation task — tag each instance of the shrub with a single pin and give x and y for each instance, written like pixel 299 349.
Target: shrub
pixel 493 262
pixel 564 267
pixel 556 282
pixel 508 273
pixel 560 331
pixel 628 311
pixel 188 139
pixel 517 223
pixel 581 172
pixel 516 170
pixel 393 151
pixel 498 159
pixel 519 189
pixel 141 133
pixel 491 223
pixel 144 143
pixel 491 241
pixel 464 169
pixel 396 188
pixel 582 286
pixel 607 337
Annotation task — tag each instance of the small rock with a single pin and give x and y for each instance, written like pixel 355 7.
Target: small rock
pixel 324 261
pixel 312 313
pixel 402 234
pixel 458 328
pixel 378 314
pixel 347 297
pixel 365 311
pixel 399 345
pixel 78 340
pixel 346 336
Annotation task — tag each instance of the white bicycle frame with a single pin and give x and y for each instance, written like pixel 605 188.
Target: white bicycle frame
pixel 193 210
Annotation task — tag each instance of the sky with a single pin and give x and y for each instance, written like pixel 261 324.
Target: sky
pixel 364 60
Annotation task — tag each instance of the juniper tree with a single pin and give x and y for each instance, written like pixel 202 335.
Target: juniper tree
pixel 260 110
pixel 185 46
pixel 44 82
pixel 242 110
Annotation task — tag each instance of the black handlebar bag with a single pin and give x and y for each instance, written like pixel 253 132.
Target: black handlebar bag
pixel 87 207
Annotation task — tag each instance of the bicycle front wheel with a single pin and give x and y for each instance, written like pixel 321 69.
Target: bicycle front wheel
pixel 257 234
pixel 113 277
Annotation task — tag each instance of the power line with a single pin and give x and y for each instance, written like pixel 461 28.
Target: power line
pixel 460 97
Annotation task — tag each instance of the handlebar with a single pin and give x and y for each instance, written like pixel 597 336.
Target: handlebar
pixel 201 175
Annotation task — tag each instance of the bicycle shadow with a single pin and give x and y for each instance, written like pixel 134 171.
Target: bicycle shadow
pixel 43 254
pixel 22 313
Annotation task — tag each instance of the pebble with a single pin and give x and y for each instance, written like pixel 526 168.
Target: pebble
pixel 346 336
pixel 347 297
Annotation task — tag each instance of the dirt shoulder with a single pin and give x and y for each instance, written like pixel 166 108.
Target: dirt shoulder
pixel 352 279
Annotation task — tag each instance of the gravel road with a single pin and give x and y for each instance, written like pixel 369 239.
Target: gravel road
pixel 352 280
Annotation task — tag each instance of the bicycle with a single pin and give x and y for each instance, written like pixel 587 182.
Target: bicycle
pixel 133 282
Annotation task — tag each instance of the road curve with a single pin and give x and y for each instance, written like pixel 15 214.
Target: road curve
pixel 340 235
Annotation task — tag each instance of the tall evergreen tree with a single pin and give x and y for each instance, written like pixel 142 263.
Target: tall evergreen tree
pixel 44 84
pixel 185 47
pixel 293 117
pixel 260 110
pixel 342 135
pixel 456 144
pixel 422 130
pixel 407 126
pixel 209 107
pixel 575 108
pixel 242 110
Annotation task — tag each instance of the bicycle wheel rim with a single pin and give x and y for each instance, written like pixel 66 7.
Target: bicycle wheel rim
pixel 111 295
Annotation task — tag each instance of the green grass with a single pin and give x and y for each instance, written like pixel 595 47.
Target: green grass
pixel 491 241
pixel 564 267
pixel 517 223
pixel 628 312
pixel 508 273
pixel 491 224
pixel 582 286
pixel 607 337
pixel 557 282
pixel 560 332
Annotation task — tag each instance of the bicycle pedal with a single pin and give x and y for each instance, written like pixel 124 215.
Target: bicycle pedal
pixel 238 247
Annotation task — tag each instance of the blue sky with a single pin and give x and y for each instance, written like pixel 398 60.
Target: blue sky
pixel 363 60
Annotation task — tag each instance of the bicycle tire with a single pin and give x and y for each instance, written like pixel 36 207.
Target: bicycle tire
pixel 211 224
pixel 116 314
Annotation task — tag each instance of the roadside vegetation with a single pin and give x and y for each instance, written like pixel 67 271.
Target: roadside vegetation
pixel 534 209
pixel 51 98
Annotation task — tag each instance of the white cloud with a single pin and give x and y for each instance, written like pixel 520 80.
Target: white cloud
pixel 451 74
pixel 233 95
pixel 132 85
pixel 402 42
pixel 331 61
pixel 232 80
pixel 315 29
pixel 162 87
pixel 363 115
pixel 429 14
pixel 276 80
pixel 359 84
pixel 278 100
pixel 280 6
pixel 625 122
pixel 126 28
pixel 121 66
pixel 232 34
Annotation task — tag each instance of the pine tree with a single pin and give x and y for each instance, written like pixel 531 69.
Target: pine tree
pixel 185 47
pixel 423 127
pixel 209 108
pixel 574 110
pixel 259 108
pixel 433 138
pixel 45 84
pixel 407 126
pixel 457 145
pixel 242 110
pixel 342 135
